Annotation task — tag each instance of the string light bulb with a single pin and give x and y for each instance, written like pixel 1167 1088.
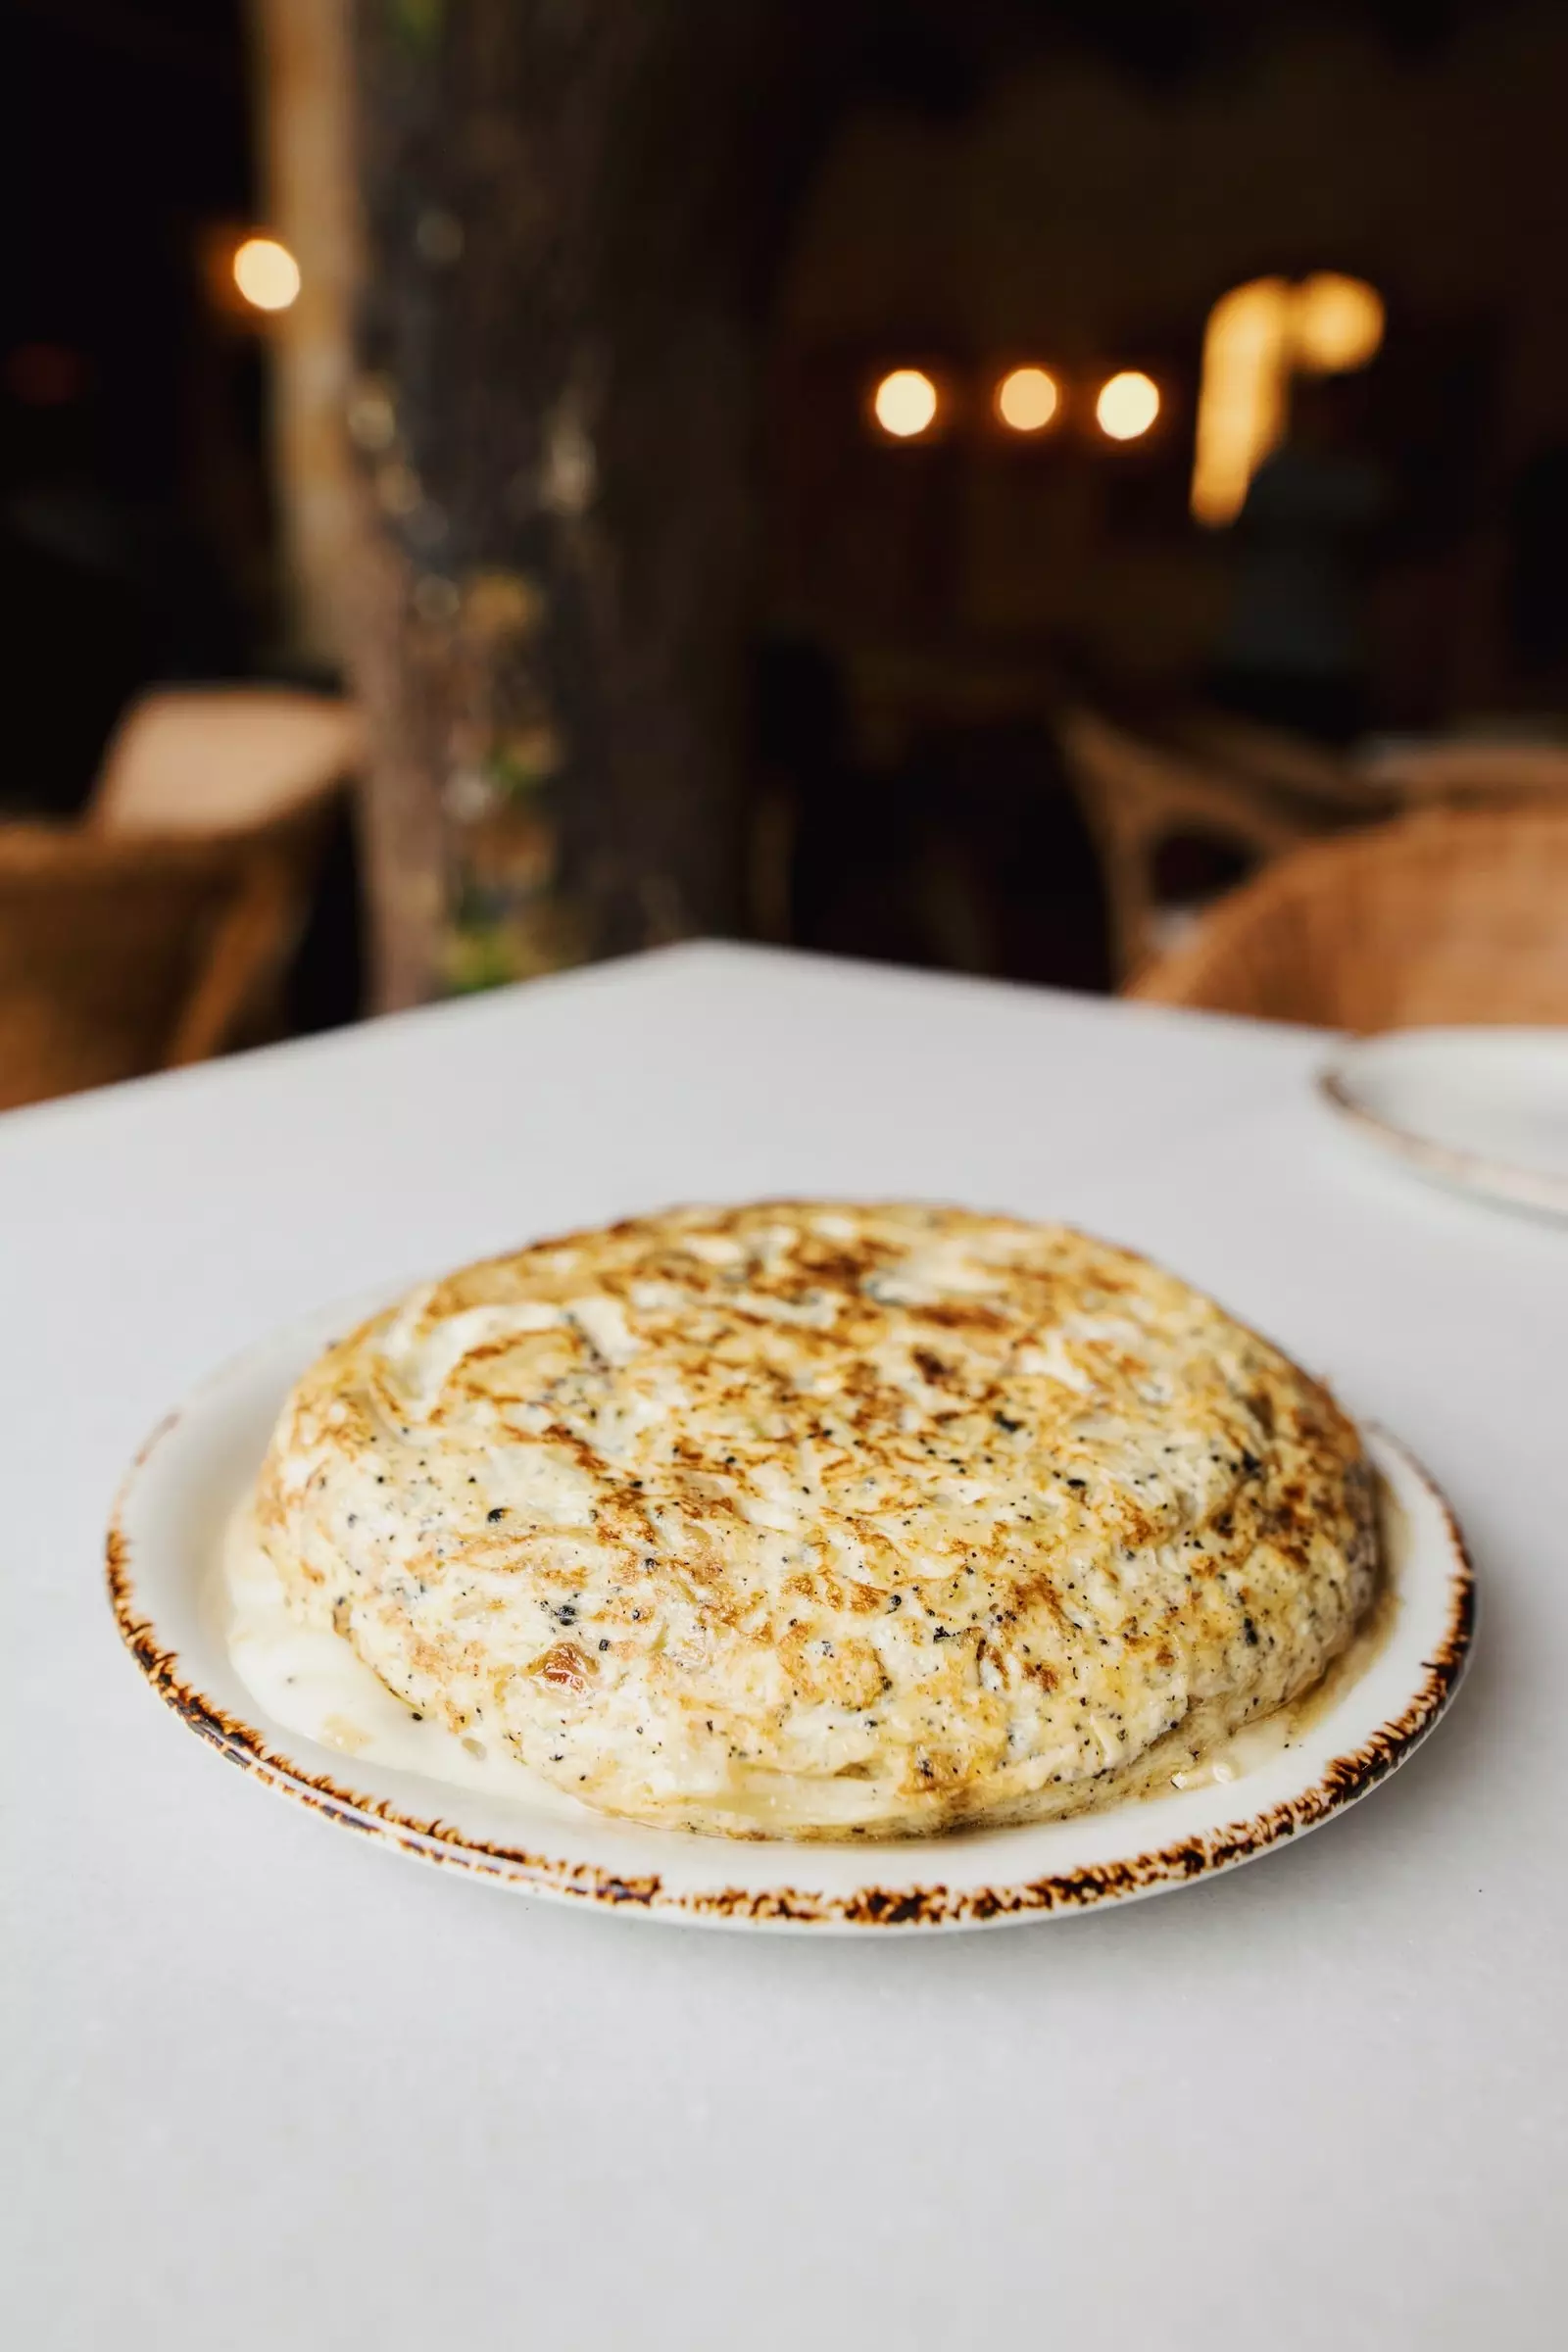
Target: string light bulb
pixel 904 404
pixel 265 273
pixel 1127 406
pixel 1027 399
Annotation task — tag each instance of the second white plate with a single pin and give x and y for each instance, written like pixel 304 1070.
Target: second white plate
pixel 1483 1108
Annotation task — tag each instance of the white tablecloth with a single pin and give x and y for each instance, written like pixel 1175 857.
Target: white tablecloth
pixel 272 2085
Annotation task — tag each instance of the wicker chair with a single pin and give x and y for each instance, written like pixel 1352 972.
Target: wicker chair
pixel 1448 916
pixel 1284 764
pixel 117 958
pixel 1137 795
pixel 208 760
pixel 1463 774
pixel 261 765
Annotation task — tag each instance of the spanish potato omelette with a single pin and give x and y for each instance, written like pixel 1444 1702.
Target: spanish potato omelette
pixel 822 1519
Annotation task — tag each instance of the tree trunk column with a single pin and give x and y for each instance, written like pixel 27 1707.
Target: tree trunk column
pixel 566 210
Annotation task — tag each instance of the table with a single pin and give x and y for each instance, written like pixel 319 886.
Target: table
pixel 269 2084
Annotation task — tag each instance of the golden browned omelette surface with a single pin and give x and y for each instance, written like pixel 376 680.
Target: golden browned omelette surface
pixel 818 1520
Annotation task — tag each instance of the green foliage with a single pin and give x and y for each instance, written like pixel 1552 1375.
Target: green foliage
pixel 478 955
pixel 418 22
pixel 518 764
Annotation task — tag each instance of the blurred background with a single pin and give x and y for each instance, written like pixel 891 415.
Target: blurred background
pixel 490 483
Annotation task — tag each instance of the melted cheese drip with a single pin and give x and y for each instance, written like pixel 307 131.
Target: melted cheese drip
pixel 309 1681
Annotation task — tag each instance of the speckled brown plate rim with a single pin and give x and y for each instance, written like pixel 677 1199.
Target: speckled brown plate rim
pixel 1472 1172
pixel 1343 1781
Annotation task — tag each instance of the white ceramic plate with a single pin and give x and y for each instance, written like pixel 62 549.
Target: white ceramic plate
pixel 164 1544
pixel 1484 1109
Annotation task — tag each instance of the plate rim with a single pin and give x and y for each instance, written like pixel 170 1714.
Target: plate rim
pixel 1340 1782
pixel 1472 1171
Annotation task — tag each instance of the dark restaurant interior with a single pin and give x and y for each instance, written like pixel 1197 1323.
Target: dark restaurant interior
pixel 997 478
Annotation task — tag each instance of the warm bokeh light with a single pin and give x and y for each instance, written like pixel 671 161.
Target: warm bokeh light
pixel 1256 335
pixel 1127 404
pixel 1336 324
pixel 1027 399
pixel 905 403
pixel 266 273
pixel 1242 403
